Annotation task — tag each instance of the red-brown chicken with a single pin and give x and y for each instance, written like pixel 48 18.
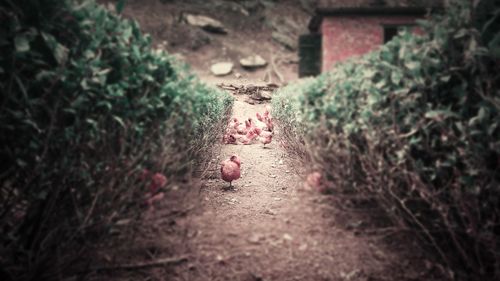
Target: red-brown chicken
pixel 256 130
pixel 230 169
pixel 229 138
pixel 266 137
pixel 259 117
pixel 234 123
pixel 269 123
pixel 267 112
pixel 249 137
pixel 257 124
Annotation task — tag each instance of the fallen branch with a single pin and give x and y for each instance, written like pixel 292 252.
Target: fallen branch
pixel 230 87
pixel 159 262
pixel 248 89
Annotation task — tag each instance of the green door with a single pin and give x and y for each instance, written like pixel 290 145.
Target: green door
pixel 309 55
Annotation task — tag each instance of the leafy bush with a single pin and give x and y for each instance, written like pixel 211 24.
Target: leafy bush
pixel 415 126
pixel 86 104
pixel 287 114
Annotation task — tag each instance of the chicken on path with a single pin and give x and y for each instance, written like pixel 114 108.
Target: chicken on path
pixel 230 169
pixel 266 138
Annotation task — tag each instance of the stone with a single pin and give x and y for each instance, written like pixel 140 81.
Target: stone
pixel 287 237
pixel 270 212
pixel 206 23
pixel 254 61
pixel 254 239
pixel 221 68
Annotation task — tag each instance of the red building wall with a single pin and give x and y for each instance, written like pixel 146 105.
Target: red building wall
pixel 347 36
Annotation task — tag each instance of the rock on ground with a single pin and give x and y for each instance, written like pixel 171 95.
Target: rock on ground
pixel 206 23
pixel 221 68
pixel 254 61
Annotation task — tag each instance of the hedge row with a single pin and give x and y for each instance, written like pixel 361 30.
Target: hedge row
pixel 415 126
pixel 85 104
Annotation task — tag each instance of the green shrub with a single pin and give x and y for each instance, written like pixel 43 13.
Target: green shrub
pixel 415 125
pixel 85 104
pixel 287 114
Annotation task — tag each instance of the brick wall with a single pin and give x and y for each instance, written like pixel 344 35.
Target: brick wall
pixel 347 36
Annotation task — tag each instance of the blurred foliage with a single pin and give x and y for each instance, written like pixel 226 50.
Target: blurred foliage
pixel 85 104
pixel 415 125
pixel 287 113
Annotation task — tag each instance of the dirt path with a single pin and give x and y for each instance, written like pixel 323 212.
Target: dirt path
pixel 268 228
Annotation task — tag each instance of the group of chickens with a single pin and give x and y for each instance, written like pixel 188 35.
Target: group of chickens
pixel 251 130
pixel 236 133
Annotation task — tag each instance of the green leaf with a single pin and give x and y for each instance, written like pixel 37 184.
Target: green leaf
pixel 440 115
pixel 120 4
pixel 92 122
pixel 369 73
pixel 21 163
pixel 412 65
pixel 473 45
pixel 461 33
pixel 59 51
pixel 380 85
pixel 445 78
pixel 479 118
pixel 21 87
pixel 61 54
pixel 402 52
pixel 22 44
pixel 492 128
pixel 119 120
pixel 77 103
pixel 396 77
pixel 105 104
pixel 127 33
pixel 44 74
